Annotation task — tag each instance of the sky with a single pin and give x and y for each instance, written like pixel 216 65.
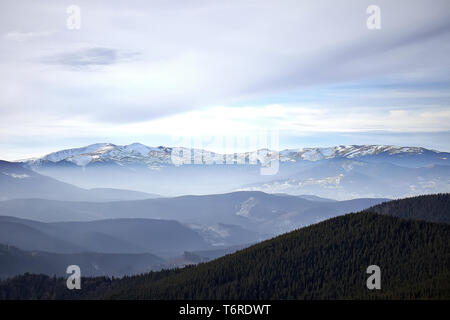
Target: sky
pixel 155 71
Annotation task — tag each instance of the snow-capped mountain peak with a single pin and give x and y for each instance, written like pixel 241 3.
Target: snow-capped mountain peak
pixel 347 151
pixel 103 152
pixel 137 153
pixel 75 152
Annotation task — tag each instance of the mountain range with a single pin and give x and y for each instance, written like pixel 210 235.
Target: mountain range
pixel 137 153
pixel 340 172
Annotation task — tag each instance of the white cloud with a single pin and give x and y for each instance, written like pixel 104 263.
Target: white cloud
pixel 231 121
pixel 191 56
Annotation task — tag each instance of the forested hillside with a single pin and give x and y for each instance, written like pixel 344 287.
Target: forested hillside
pixel 323 261
pixel 433 208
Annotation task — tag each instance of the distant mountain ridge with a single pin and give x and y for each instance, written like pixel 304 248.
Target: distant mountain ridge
pixel 104 152
pixel 17 182
pixel 342 178
pixel 340 172
pixel 154 156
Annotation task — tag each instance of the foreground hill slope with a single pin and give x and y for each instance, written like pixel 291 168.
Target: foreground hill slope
pixel 327 260
pixel 323 261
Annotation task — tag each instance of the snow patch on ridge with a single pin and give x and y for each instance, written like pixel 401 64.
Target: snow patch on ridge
pixel 157 157
pixel 246 207
pixel 16 175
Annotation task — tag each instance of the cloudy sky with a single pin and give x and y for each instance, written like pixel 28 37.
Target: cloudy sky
pixel 149 71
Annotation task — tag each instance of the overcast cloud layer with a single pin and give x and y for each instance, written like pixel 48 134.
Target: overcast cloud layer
pixel 146 70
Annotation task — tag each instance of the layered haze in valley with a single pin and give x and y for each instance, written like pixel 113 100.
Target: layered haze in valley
pixel 140 136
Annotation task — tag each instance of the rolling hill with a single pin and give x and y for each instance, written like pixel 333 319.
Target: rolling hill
pixel 162 237
pixel 14 261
